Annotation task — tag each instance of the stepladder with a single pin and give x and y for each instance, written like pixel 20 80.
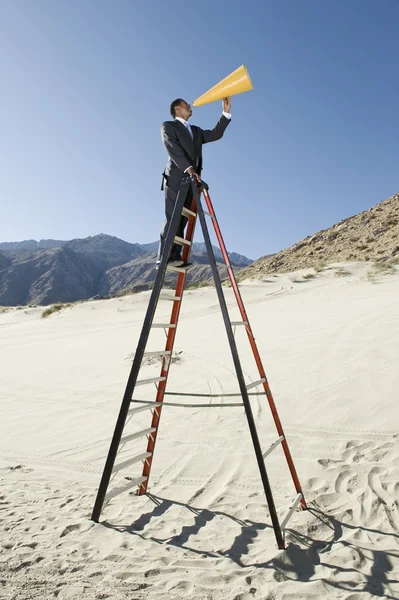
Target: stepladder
pixel 131 405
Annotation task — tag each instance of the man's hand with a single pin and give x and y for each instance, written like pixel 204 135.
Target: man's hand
pixel 226 102
pixel 193 174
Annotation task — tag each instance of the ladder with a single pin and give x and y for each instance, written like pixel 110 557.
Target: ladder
pixel 130 406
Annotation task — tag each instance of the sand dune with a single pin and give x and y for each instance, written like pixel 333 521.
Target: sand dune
pixel 330 348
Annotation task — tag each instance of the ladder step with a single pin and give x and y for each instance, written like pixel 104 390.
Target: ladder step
pixel 124 488
pixel 256 383
pixel 181 241
pixel 169 297
pixel 158 353
pixel 138 434
pixel 273 446
pixel 187 212
pixel 173 269
pixel 131 461
pixel 234 323
pixel 291 511
pixel 137 409
pixel 208 214
pixel 164 325
pixel 152 380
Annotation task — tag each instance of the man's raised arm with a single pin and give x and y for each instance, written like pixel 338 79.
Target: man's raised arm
pixel 212 135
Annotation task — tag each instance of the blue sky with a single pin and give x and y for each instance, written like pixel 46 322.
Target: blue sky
pixel 85 86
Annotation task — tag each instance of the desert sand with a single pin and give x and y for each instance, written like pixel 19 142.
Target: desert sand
pixel 330 347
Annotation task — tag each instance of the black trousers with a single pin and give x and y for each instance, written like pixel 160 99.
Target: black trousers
pixel 170 200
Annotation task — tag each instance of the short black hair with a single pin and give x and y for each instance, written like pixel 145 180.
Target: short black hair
pixel 173 106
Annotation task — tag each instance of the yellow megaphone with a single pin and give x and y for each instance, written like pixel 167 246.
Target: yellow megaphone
pixel 237 82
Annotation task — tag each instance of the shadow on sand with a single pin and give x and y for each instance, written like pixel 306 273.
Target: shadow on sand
pixel 298 561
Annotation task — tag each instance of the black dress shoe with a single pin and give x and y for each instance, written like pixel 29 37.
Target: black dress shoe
pixel 175 262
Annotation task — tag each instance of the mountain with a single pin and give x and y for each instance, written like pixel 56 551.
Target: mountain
pixel 31 245
pixel 105 251
pixel 372 235
pixel 239 260
pixel 199 250
pixel 151 247
pixel 139 274
pixel 4 261
pixel 109 250
pixel 47 276
pixel 52 271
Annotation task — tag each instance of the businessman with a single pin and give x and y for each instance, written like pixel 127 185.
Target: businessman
pixel 183 143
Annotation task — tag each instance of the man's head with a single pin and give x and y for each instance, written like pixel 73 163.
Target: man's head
pixel 180 108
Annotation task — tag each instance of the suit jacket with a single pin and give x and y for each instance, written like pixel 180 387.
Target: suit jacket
pixel 185 151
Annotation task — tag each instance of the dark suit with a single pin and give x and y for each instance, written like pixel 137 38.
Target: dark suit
pixel 184 151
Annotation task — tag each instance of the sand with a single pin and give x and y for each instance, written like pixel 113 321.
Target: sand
pixel 330 348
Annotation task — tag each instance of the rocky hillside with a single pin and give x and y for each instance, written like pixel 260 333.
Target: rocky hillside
pixel 4 261
pixel 372 235
pixel 47 276
pixel 101 265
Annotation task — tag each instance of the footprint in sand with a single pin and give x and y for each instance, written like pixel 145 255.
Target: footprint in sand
pixel 8 545
pixel 81 527
pixel 367 491
pixel 316 484
pixel 96 574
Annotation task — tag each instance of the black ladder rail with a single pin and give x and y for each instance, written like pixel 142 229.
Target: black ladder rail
pixel 138 357
pixel 239 372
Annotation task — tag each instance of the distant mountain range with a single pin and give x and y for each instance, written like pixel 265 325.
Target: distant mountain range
pixel 50 271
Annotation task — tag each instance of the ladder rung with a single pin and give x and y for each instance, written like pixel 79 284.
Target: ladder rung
pixel 137 409
pixel 152 380
pixel 181 241
pixel 131 461
pixel 234 323
pixel 168 297
pixel 256 383
pixel 208 214
pixel 124 488
pixel 165 325
pixel 173 269
pixel 138 434
pixel 158 353
pixel 291 511
pixel 187 212
pixel 273 446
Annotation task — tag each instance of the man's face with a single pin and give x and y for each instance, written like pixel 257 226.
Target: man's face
pixel 183 110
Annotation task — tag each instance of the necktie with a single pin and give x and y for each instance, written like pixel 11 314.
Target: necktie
pixel 188 127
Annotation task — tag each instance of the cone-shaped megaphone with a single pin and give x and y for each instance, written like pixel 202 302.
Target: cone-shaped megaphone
pixel 235 83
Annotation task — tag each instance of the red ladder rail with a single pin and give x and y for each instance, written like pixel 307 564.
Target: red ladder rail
pixel 254 347
pixel 166 361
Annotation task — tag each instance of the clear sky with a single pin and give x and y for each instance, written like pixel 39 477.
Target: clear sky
pixel 86 84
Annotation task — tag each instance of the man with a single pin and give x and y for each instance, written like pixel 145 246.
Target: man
pixel 183 143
